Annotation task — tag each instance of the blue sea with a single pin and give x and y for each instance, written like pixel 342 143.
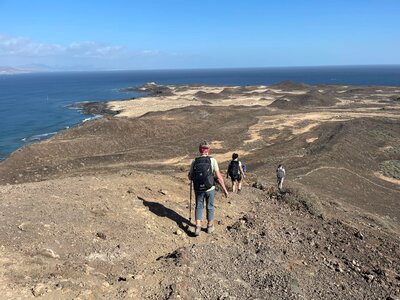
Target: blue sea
pixel 34 106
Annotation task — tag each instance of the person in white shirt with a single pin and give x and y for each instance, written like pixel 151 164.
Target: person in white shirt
pixel 280 176
pixel 203 170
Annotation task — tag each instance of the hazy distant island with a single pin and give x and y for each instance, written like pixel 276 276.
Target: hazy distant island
pixel 101 210
pixel 10 71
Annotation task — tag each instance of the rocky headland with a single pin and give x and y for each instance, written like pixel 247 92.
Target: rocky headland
pixel 101 211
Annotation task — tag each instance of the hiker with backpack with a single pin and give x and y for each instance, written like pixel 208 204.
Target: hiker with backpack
pixel 203 170
pixel 280 176
pixel 236 173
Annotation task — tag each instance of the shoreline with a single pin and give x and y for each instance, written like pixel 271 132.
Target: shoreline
pixel 152 100
pixel 94 108
pixel 248 70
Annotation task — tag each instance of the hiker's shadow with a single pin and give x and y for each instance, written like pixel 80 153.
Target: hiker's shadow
pixel 165 212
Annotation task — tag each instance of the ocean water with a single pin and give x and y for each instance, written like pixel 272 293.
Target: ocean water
pixel 33 106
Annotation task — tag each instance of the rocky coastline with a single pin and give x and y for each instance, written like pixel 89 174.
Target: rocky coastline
pixel 93 108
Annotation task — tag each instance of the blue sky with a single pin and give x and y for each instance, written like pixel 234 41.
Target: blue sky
pixel 198 34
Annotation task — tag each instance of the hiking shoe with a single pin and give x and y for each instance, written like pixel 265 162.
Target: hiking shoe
pixel 239 191
pixel 197 231
pixel 210 229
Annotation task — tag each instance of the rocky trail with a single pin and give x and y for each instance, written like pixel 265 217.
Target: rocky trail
pixel 125 236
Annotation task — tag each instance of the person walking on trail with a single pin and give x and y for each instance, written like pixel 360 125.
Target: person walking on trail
pixel 203 171
pixel 280 176
pixel 236 173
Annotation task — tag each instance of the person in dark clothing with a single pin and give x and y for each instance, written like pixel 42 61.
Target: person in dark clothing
pixel 236 173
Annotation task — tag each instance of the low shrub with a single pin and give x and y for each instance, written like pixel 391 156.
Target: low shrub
pixel 391 168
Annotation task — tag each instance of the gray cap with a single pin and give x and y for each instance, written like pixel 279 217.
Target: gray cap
pixel 204 144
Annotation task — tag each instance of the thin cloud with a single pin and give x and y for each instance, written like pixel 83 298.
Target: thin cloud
pixel 21 51
pixel 16 46
pixel 93 49
pixel 20 46
pixel 150 52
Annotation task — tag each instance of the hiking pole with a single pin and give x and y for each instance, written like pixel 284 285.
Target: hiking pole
pixel 190 203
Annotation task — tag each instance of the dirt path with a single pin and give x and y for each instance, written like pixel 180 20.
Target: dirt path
pixel 113 227
pixel 299 177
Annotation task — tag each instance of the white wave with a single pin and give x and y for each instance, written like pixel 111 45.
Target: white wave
pixel 74 107
pixel 38 137
pixel 91 118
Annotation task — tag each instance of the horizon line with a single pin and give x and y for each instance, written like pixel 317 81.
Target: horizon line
pixel 27 71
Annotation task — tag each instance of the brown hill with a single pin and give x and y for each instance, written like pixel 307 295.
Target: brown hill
pixel 310 98
pixel 290 85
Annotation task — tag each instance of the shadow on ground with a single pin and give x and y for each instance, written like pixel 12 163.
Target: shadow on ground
pixel 165 212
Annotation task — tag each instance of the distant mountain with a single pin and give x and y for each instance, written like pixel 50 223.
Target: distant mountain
pixel 10 70
pixel 37 68
pixel 33 68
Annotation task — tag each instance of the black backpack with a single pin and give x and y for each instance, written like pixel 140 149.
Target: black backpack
pixel 202 176
pixel 233 169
